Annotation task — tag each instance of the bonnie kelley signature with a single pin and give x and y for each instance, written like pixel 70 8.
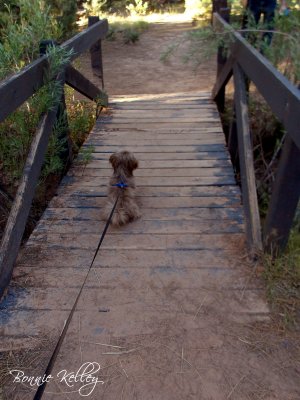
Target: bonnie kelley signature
pixel 84 376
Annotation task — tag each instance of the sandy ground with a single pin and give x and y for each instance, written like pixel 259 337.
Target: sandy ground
pixel 136 68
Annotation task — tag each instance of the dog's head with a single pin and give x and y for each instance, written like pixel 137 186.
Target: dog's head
pixel 123 160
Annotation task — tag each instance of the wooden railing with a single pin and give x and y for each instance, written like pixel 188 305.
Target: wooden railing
pixel 13 93
pixel 284 100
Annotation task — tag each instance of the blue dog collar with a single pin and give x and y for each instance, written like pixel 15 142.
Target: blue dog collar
pixel 121 185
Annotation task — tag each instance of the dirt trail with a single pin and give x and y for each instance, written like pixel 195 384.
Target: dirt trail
pixel 137 69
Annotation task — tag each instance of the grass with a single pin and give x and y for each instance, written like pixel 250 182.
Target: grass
pixel 129 31
pixel 282 276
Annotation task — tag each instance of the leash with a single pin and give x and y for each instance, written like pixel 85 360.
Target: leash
pixel 40 391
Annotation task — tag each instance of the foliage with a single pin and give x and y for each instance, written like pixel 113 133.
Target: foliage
pixel 81 116
pixel 20 41
pixel 197 8
pixel 17 130
pixel 129 31
pixel 138 7
pixel 284 51
pixel 20 46
pixel 282 276
pixel 95 7
pixel 65 13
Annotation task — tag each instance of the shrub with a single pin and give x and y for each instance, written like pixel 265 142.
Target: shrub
pixel 65 13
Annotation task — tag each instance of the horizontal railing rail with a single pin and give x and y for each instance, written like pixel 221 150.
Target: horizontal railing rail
pixel 284 100
pixel 14 91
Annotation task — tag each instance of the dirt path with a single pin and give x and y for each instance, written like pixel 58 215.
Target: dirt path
pixel 137 69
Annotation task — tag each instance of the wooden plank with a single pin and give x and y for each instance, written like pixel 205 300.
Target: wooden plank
pixel 163 137
pixel 164 110
pixel 203 155
pixel 156 145
pixel 246 163
pixel 132 107
pixel 145 298
pixel 284 199
pixel 133 241
pixel 280 94
pixel 159 181
pixel 150 227
pixel 159 125
pixel 94 214
pixel 160 114
pixel 172 172
pixel 80 83
pixel 101 129
pixel 124 277
pixel 19 87
pixel 18 216
pixel 231 192
pixel 151 202
pixel 161 164
pixel 158 120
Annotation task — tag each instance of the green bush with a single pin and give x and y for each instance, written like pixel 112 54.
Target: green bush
pixel 18 47
pixel 129 31
pixel 65 13
pixel 20 38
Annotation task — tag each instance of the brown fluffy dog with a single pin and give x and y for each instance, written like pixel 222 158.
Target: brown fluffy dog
pixel 123 163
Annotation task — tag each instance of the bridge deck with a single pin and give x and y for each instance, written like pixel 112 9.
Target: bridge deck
pixel 167 290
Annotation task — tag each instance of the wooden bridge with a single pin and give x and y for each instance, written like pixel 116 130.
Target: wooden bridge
pixel 166 291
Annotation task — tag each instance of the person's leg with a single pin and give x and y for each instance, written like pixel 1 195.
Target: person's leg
pixel 269 15
pixel 254 7
pixel 252 19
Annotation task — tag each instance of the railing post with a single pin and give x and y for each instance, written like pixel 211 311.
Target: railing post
pixel 221 7
pixel 16 222
pixel 284 200
pixel 253 228
pixel 96 54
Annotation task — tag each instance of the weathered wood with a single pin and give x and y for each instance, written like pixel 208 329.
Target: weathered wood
pixel 223 10
pixel 280 94
pixel 204 155
pixel 135 241
pixel 253 228
pixel 180 148
pixel 230 191
pixel 223 77
pixel 96 53
pixel 162 164
pixel 233 141
pixel 151 227
pixel 163 181
pixel 152 201
pixel 284 199
pixel 80 83
pixel 19 87
pixel 18 216
pixel 149 214
pixel 166 172
pixel 100 129
pixel 159 120
pixel 161 137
